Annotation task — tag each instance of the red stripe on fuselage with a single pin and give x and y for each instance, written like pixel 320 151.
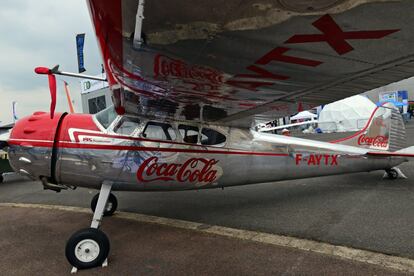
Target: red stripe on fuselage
pixel 70 145
pixel 80 132
pixel 76 134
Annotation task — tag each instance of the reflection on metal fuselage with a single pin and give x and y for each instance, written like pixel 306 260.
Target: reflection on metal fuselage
pixel 75 150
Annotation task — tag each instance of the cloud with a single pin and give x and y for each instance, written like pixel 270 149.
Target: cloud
pixel 37 100
pixel 41 33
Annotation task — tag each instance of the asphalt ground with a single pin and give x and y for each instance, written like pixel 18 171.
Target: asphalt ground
pixel 360 210
pixel 35 248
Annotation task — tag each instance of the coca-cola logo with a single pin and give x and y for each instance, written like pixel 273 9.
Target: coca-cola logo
pixel 192 170
pixel 167 67
pixel 379 141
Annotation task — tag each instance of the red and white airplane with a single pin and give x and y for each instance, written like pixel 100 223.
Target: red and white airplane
pixel 190 78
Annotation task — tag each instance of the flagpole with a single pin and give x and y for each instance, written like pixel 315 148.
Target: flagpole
pixel 65 85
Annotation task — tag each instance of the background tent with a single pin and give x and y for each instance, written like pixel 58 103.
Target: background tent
pixel 304 115
pixel 349 114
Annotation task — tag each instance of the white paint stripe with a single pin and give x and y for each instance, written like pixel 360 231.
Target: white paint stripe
pixel 363 256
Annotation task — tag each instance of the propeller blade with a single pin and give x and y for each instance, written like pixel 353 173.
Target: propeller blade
pixel 42 70
pixel 52 87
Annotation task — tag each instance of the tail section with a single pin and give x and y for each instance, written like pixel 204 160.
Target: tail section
pixel 385 131
pixel 398 139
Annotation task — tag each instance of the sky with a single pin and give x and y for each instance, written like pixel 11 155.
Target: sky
pixel 42 33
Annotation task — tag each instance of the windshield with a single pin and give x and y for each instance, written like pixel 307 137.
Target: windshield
pixel 106 116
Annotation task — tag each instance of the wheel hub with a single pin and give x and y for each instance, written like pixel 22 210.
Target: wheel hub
pixel 87 250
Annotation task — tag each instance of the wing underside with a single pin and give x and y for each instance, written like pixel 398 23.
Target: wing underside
pixel 229 62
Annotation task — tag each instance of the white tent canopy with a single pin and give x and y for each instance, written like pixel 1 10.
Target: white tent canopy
pixel 303 116
pixel 350 114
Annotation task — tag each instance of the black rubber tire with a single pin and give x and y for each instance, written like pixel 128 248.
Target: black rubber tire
pixel 88 233
pixel 1 178
pixel 392 174
pixel 112 203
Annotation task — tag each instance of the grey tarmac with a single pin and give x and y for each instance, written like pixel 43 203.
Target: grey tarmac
pixel 35 248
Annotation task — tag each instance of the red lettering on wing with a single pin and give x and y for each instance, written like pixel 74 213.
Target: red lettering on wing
pixel 335 36
pixel 277 54
pixel 173 68
pixel 261 73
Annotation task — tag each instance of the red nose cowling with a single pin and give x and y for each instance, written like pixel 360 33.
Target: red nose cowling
pixel 36 129
pixel 31 145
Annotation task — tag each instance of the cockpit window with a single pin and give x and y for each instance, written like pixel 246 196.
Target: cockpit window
pixel 161 131
pixel 211 137
pixel 189 133
pixel 127 125
pixel 106 116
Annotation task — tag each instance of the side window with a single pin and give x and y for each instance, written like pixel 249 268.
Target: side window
pixel 189 133
pixel 126 126
pixel 211 137
pixel 160 131
pixel 106 116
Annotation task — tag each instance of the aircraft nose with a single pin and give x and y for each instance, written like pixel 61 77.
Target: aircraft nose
pixel 31 144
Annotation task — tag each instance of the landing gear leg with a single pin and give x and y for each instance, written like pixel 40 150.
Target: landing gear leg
pixel 89 247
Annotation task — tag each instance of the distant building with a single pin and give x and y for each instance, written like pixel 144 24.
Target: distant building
pixel 378 94
pixel 95 96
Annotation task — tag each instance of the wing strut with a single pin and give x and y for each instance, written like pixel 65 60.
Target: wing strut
pixel 138 40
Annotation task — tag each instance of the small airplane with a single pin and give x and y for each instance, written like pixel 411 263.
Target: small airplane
pixel 190 79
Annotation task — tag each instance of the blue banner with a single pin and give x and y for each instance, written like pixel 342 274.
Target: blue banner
pixel 15 118
pixel 80 40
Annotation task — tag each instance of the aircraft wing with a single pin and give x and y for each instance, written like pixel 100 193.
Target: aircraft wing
pixel 232 61
pixel 5 131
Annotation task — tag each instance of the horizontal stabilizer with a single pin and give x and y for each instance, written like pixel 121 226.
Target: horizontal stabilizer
pixel 406 152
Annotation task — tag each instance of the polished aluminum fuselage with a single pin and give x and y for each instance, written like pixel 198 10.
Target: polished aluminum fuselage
pixel 134 163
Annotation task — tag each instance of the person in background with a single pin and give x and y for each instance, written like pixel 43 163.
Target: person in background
pixel 285 132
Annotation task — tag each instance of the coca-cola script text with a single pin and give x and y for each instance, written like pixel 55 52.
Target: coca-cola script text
pixel 192 170
pixel 379 141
